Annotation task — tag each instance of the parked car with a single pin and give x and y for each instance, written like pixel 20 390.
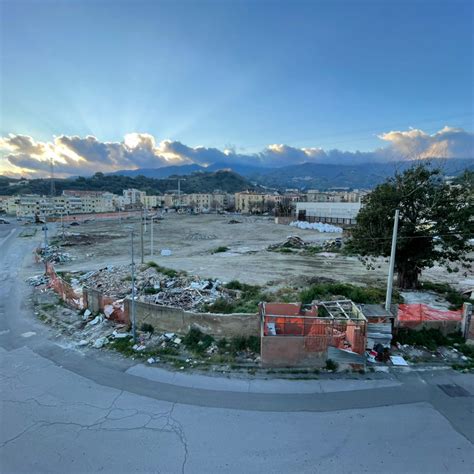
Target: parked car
pixel 4 221
pixel 74 223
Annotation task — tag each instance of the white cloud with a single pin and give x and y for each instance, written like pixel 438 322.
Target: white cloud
pixel 21 154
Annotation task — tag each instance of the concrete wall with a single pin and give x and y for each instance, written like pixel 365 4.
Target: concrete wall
pixel 290 351
pixel 167 319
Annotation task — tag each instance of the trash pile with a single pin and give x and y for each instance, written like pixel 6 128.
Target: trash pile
pixel 54 255
pixel 319 226
pixel 186 294
pixel 38 280
pixel 182 291
pixel 291 242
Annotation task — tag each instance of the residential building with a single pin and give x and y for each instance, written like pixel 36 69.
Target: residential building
pixel 249 202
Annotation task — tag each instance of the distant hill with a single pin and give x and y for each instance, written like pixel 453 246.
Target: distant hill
pixel 163 172
pixel 226 181
pixel 309 175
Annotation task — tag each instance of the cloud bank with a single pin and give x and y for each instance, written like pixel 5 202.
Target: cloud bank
pixel 73 155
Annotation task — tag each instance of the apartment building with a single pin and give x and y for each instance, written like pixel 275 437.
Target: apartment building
pixel 249 202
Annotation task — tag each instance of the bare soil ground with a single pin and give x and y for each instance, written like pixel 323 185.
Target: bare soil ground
pixel 193 239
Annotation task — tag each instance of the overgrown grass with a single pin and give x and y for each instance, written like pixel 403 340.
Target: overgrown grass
pixel 169 272
pixel 124 346
pixel 196 341
pixel 431 339
pixel 247 302
pixel 149 290
pixel 220 249
pixel 364 295
pixel 146 327
pixel 449 293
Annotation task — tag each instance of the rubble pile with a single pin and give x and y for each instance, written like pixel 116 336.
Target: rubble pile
pixel 319 226
pixel 54 255
pixel 72 239
pixel 181 291
pixel 38 280
pixel 291 242
pixel 199 236
pixel 186 294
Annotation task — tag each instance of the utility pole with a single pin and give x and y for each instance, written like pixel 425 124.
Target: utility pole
pixel 151 237
pixel 45 228
pixel 388 296
pixel 134 323
pixel 179 194
pixel 141 236
pixel 53 187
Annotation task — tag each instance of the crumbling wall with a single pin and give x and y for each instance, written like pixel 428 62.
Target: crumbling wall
pixel 293 351
pixel 168 319
pixel 97 302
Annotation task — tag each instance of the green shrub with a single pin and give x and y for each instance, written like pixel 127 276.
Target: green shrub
pixel 242 343
pixel 429 338
pixel 149 290
pixel 220 249
pixel 146 327
pixel 169 272
pixel 363 295
pixel 331 365
pixel 449 293
pixel 196 341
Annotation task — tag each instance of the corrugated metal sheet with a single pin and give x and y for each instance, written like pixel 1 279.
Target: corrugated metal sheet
pixel 379 333
pixel 343 356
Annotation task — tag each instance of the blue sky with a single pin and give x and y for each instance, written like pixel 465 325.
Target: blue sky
pixel 330 74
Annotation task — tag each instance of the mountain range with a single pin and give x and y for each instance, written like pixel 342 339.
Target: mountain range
pixel 306 175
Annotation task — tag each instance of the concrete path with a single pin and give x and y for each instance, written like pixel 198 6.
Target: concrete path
pixel 65 411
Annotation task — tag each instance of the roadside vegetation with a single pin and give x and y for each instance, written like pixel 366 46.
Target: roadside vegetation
pixel 448 292
pixel 169 272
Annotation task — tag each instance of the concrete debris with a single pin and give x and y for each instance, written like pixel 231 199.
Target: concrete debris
pixel 54 255
pixel 101 342
pixel 291 242
pixel 38 280
pixel 120 335
pixel 98 319
pixel 151 360
pixel 139 347
pixel 165 252
pixel 87 313
pixel 319 226
pixel 177 340
pixel 82 343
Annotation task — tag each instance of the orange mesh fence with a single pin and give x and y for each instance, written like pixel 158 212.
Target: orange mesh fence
pixel 63 289
pixel 413 314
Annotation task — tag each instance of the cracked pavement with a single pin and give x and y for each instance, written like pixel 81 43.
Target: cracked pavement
pixel 65 411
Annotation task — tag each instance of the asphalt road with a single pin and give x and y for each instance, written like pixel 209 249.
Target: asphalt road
pixel 65 411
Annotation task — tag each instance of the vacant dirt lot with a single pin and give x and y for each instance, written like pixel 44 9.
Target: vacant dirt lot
pixel 193 239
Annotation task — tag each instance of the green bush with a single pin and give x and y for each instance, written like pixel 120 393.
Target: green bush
pixel 220 249
pixel 449 293
pixel 363 295
pixel 331 365
pixel 243 343
pixel 196 341
pixel 149 290
pixel 429 338
pixel 169 272
pixel 146 327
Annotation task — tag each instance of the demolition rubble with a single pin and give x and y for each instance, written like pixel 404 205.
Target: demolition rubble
pixel 170 288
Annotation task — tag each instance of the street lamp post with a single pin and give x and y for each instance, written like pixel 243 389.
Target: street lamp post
pixel 151 236
pixel 134 324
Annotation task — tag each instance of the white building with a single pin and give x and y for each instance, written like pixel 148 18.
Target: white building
pixel 331 212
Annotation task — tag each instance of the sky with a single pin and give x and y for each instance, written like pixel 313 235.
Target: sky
pixel 113 84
